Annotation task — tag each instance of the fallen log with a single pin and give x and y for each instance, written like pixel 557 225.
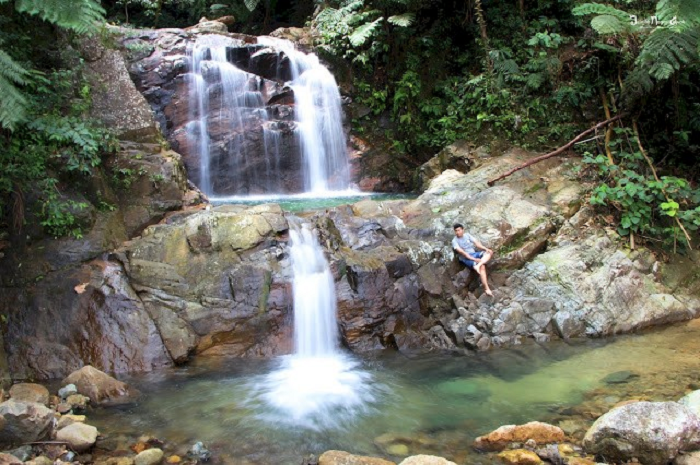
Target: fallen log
pixel 557 151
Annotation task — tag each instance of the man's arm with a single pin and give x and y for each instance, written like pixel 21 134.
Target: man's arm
pixel 479 245
pixel 459 250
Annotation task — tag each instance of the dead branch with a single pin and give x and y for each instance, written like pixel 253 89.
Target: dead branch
pixel 558 151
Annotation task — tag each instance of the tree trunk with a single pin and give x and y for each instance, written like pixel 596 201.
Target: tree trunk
pixel 484 36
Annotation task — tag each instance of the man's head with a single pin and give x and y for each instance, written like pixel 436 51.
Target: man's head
pixel 459 229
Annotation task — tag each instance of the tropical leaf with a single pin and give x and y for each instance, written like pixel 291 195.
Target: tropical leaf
pixel 666 48
pixel 251 4
pixel 609 24
pixel 13 104
pixel 364 32
pixel 605 47
pixel 535 80
pixel 686 12
pixel 600 9
pixel 81 16
pixel 403 20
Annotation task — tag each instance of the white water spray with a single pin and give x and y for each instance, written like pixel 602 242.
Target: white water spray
pixel 318 387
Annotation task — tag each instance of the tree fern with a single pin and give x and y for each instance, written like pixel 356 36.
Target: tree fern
pixel 600 9
pixel 665 51
pixel 403 20
pixel 686 12
pixel 80 16
pixel 13 103
pixel 364 32
pixel 609 24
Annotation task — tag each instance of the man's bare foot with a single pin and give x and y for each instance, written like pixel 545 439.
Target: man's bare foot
pixel 477 266
pixel 489 293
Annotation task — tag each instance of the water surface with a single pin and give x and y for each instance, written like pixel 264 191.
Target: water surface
pixel 433 403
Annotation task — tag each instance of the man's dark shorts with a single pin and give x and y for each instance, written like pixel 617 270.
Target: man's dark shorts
pixel 470 263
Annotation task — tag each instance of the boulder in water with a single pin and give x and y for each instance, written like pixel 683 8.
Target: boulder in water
pixel 541 433
pixel 652 432
pixel 99 386
pixel 79 436
pixel 519 457
pixel 692 401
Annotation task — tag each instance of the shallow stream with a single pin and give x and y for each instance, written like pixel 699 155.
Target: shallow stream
pixel 435 404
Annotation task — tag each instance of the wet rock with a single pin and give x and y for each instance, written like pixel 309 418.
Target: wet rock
pixel 149 457
pixel 99 386
pixel 652 432
pixel 692 401
pixel 30 392
pixel 40 460
pixel 22 453
pixel 337 457
pixel 620 377
pixel 541 433
pixel 426 460
pixel 67 420
pixel 25 422
pixel 79 436
pixel 199 451
pixel 8 459
pixel 67 390
pixel 519 457
pixel 78 401
pixel 691 458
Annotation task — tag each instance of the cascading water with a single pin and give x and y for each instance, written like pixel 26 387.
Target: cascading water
pixel 318 387
pixel 238 145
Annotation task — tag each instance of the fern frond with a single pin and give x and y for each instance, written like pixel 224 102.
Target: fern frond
pixel 12 105
pixel 600 9
pixel 364 32
pixel 687 12
pixel 534 80
pixel 403 20
pixel 11 70
pixel 605 47
pixel 666 49
pixel 609 24
pixel 80 16
pixel 330 14
pixel 251 4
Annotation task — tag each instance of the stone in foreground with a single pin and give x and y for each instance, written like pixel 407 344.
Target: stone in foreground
pixel 519 457
pixel 541 433
pixel 30 392
pixel 99 386
pixel 651 432
pixel 426 460
pixel 25 422
pixel 149 457
pixel 79 436
pixel 339 457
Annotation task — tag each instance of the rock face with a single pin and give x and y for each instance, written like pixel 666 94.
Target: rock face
pixel 652 432
pixel 25 422
pixel 242 148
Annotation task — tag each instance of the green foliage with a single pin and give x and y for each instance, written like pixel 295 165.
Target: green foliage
pixel 638 199
pixel 13 103
pixel 56 144
pixel 81 16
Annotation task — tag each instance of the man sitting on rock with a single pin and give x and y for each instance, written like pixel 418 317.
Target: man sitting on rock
pixel 465 245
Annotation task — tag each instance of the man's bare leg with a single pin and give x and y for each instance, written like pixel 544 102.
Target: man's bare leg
pixel 485 281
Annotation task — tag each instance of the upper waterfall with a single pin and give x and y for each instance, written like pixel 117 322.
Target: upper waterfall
pixel 247 135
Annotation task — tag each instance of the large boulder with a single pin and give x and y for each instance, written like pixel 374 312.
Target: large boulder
pixel 25 422
pixel 99 386
pixel 692 401
pixel 651 432
pixel 499 439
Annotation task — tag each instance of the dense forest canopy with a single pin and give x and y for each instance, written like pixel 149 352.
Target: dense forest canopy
pixel 493 72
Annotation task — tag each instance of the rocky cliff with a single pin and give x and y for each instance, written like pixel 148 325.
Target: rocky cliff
pixel 154 282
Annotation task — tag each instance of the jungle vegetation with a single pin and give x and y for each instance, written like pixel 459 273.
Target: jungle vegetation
pixel 521 72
